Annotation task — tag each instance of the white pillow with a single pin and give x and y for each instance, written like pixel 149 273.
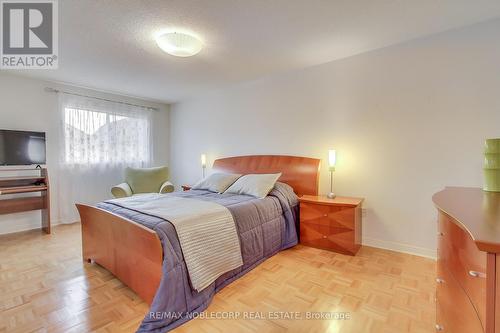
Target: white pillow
pixel 256 185
pixel 216 182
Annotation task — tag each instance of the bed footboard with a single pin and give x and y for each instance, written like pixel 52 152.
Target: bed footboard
pixel 132 252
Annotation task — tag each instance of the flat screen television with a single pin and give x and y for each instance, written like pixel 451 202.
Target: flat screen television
pixel 22 147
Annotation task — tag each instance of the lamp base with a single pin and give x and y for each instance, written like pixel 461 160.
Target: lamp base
pixel 331 195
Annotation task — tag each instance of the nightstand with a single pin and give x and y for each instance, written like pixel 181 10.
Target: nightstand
pixel 331 224
pixel 186 187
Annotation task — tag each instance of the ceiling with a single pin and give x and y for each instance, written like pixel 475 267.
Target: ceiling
pixel 109 45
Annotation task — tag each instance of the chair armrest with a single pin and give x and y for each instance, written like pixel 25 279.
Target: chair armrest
pixel 167 187
pixel 121 190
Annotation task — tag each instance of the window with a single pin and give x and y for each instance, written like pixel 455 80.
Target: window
pixel 105 133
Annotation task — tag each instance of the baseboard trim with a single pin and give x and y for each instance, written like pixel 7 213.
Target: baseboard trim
pixel 400 247
pixel 15 228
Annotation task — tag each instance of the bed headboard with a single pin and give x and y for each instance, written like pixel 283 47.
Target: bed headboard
pixel 301 173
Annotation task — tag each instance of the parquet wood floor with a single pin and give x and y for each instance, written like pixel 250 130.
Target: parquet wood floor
pixel 45 287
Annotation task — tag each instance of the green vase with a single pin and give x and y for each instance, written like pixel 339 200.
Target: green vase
pixel 492 165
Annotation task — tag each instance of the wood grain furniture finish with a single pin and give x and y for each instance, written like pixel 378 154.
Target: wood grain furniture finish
pixel 331 224
pixel 301 173
pixel 13 185
pixel 468 284
pixel 454 311
pixel 127 249
pixel 133 253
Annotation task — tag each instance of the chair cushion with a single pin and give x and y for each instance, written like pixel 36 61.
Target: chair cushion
pixel 146 180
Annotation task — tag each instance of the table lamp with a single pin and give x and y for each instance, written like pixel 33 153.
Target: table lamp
pixel 332 159
pixel 203 164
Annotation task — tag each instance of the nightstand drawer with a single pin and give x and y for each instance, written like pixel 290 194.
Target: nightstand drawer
pixel 333 216
pixel 328 238
pixel 325 231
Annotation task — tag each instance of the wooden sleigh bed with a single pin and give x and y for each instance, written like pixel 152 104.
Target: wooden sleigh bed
pixel 133 253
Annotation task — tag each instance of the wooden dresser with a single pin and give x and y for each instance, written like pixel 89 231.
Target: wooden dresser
pixel 467 299
pixel 331 224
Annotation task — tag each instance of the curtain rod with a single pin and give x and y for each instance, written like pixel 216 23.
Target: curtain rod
pixel 52 90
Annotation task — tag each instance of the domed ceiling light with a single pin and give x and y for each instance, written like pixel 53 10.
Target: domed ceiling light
pixel 179 44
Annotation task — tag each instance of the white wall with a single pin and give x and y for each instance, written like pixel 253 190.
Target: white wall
pixel 406 121
pixel 24 105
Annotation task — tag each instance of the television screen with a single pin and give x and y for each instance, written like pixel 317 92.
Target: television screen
pixel 22 148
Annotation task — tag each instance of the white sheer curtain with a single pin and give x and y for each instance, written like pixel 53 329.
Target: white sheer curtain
pixel 98 139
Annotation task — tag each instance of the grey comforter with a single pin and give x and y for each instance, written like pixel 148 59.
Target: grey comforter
pixel 264 226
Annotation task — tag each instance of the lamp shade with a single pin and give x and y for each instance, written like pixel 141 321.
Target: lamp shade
pixel 332 158
pixel 203 160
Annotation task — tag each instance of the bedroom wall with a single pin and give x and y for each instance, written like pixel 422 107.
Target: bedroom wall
pixel 24 105
pixel 406 121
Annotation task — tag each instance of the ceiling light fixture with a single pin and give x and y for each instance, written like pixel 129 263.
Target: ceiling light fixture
pixel 179 44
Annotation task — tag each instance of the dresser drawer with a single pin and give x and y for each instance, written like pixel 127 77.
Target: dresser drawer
pixel 454 312
pixel 458 253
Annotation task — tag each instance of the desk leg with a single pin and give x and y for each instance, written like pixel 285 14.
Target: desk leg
pixel 46 212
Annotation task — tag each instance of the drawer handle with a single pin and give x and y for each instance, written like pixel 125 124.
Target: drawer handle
pixel 477 274
pixel 438 280
pixel 324 236
pixel 440 234
pixel 326 215
pixel 439 327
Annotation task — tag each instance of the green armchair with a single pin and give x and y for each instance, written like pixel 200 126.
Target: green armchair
pixel 147 180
